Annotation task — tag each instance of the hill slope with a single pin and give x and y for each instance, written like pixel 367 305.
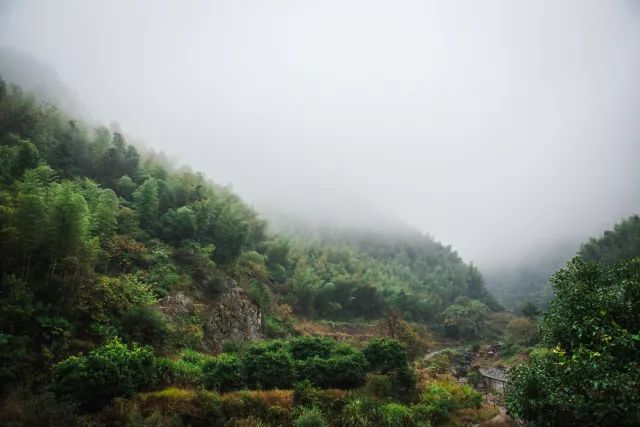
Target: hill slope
pixel 96 239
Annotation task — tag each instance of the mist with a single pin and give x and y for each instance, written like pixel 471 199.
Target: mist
pixel 500 128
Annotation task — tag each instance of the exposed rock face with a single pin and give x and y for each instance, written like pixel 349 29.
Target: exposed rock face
pixel 232 316
pixel 177 304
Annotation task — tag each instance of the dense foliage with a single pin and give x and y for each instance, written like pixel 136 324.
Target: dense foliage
pixel 353 275
pixel 106 372
pixel 94 234
pixel 281 363
pixel 96 241
pixel 590 374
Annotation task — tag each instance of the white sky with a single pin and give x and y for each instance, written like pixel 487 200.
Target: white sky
pixel 499 127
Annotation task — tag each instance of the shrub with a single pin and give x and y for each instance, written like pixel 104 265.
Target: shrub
pixel 106 372
pixel 327 364
pixel 274 327
pixel 396 415
pixel 379 386
pixel 145 325
pixel 441 398
pixel 385 355
pixel 359 412
pixel 177 372
pixel 186 370
pixel 474 377
pixel 303 348
pixel 438 402
pixel 224 373
pixel 233 346
pixel 310 417
pixel 346 371
pixel 268 365
pixel 404 384
pixel 304 394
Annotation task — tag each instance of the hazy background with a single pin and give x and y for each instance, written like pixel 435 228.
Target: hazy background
pixel 502 128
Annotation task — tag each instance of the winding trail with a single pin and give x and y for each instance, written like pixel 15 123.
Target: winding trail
pixel 433 353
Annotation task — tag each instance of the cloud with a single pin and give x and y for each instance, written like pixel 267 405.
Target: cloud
pixel 498 127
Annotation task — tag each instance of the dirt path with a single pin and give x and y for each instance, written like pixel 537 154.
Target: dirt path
pixel 433 353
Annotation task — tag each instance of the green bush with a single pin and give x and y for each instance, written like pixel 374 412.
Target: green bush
pixel 438 402
pixel 328 364
pixel 404 384
pixel 106 372
pixel 310 417
pixel 339 371
pixel 346 371
pixel 177 372
pixel 379 386
pixel 396 415
pixel 186 370
pixel 233 346
pixel 303 348
pixel 474 377
pixel 224 373
pixel 385 355
pixel 274 327
pixel 145 326
pixel 359 412
pixel 441 399
pixel 268 364
pixel 304 393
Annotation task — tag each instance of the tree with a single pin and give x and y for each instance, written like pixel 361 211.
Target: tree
pixel 466 318
pixel 179 224
pixel 26 158
pixel 521 331
pixel 589 375
pixel 623 242
pixel 530 310
pixel 68 221
pixel 385 355
pixel 147 203
pixel 104 218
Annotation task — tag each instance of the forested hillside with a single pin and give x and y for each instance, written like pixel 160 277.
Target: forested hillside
pixel 621 243
pixel 96 238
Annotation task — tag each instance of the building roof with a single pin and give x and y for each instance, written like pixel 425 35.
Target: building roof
pixel 494 373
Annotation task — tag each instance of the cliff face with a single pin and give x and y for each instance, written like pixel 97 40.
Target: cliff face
pixel 231 316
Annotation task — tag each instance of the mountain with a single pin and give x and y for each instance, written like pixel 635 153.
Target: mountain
pixel 99 241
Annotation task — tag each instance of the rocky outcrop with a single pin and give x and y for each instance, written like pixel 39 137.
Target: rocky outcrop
pixel 231 316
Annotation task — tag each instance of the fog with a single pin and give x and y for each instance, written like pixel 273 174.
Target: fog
pixel 499 127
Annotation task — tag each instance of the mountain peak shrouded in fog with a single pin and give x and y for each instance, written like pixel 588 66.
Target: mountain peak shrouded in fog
pixel 499 128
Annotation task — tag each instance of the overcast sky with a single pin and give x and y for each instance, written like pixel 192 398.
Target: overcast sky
pixel 499 127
